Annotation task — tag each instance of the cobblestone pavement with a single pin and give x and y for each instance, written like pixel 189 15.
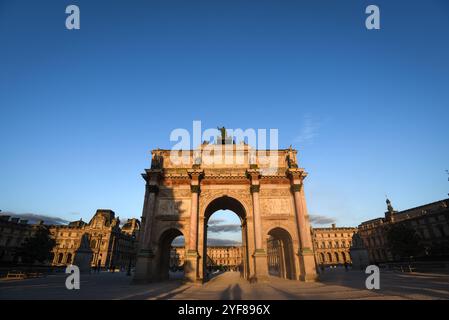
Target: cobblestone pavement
pixel 335 284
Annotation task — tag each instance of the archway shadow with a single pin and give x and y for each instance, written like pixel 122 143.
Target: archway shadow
pixel 237 292
pixel 232 292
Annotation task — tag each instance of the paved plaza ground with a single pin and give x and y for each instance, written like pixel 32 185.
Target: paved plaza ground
pixel 334 284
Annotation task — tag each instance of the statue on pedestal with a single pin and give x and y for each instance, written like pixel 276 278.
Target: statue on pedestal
pixel 83 255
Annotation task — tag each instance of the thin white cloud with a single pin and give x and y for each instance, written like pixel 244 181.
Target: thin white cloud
pixel 222 242
pixel 231 228
pixel 309 130
pixel 318 219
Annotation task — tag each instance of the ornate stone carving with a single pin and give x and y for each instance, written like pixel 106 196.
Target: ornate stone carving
pixel 174 193
pixel 157 160
pixel 241 195
pixel 235 173
pixel 275 206
pixel 274 193
pixel 173 207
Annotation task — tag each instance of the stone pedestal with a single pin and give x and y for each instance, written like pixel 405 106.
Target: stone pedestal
pixel 191 266
pixel 144 267
pixel 308 267
pixel 261 266
pixel 83 255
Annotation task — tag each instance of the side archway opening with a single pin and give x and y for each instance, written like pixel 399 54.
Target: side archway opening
pixel 171 255
pixel 281 261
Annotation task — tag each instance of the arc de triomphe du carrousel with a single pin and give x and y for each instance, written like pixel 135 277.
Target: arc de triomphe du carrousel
pixel 265 188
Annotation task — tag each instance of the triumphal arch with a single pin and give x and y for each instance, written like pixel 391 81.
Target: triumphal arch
pixel 265 188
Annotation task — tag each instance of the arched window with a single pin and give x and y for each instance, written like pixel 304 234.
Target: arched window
pixel 69 258
pixel 60 257
pixel 329 257
pixel 337 258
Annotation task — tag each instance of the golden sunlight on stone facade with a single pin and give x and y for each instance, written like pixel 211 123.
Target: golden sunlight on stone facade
pixel 222 256
pixel 265 188
pixel 430 223
pixel 332 245
pixel 228 257
pixel 111 246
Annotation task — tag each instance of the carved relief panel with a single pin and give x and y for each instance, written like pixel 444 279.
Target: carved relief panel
pixel 173 207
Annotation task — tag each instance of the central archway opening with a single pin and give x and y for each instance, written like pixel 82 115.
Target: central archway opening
pixel 225 239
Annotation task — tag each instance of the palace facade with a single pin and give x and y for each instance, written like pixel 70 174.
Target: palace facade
pixel 13 233
pixel 332 245
pixel 112 246
pixel 229 257
pixel 430 222
pixel 224 256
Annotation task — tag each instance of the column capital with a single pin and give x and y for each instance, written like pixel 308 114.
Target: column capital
pixel 152 176
pixel 296 175
pixel 195 174
pixel 195 177
pixel 253 175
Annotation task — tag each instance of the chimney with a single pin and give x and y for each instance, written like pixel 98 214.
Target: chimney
pixel 333 225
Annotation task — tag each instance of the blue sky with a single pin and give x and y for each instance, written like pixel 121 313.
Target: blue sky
pixel 81 110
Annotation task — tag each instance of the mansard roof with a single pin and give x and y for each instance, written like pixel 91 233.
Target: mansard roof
pixel 106 214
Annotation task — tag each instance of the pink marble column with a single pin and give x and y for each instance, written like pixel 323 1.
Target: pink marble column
pixel 149 208
pixel 260 256
pixel 193 234
pixel 306 257
pixel 304 231
pixel 151 189
pixel 257 219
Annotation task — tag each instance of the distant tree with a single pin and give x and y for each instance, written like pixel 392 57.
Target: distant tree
pixel 403 241
pixel 38 247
